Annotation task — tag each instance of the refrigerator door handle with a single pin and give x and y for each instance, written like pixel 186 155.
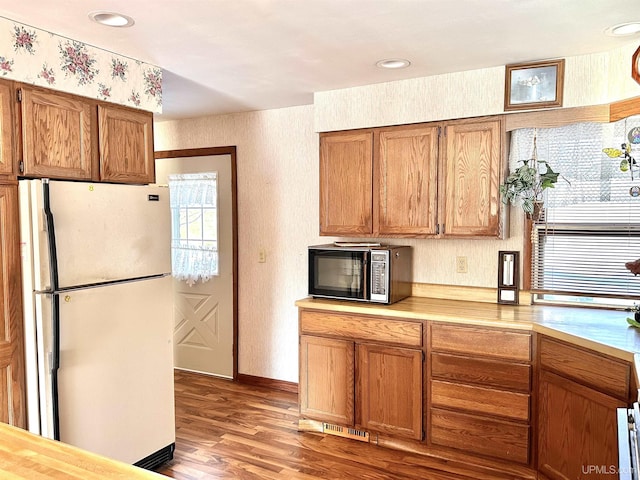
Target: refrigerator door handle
pixel 55 307
pixel 55 363
pixel 51 235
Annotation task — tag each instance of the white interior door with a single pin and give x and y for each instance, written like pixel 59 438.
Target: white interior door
pixel 203 333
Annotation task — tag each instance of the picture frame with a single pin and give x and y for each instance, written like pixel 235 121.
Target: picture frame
pixel 534 85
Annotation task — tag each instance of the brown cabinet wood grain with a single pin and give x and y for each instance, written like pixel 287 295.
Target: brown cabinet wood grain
pixel 578 394
pixel 346 184
pixel 407 188
pixel 412 181
pixel 368 329
pixel 57 135
pixel 69 137
pixel 484 342
pixel 484 436
pixel 389 390
pixel 480 390
pixel 577 429
pixel 472 398
pixel 608 375
pixel 326 385
pixel 471 178
pixel 348 380
pixel 488 373
pixel 126 145
pixel 7 159
pixel 12 395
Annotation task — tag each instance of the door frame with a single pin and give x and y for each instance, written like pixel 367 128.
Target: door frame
pixel 231 151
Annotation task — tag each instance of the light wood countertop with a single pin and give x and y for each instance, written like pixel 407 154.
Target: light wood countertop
pixel 604 331
pixel 24 455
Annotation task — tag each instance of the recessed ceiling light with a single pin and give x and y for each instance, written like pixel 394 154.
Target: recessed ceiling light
pixel 393 63
pixel 111 19
pixel 623 29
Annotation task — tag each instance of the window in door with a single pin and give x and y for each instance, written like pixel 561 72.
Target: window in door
pixel 194 221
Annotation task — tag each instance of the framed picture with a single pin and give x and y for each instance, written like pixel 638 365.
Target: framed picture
pixel 534 85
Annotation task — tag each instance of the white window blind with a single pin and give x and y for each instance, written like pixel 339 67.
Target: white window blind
pixel 194 221
pixel 591 225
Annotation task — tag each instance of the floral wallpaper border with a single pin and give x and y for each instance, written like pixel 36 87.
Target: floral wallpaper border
pixel 39 57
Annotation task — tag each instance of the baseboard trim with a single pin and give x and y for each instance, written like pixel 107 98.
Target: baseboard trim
pixel 290 387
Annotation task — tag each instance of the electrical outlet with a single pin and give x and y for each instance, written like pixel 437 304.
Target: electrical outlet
pixel 461 265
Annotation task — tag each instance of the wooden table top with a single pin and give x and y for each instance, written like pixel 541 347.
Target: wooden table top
pixel 24 455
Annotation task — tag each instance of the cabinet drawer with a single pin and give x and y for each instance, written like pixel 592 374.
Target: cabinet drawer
pixel 495 438
pixel 596 370
pixel 491 373
pixel 481 341
pixel 374 329
pixel 481 400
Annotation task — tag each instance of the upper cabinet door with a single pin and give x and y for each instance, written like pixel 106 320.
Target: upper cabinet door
pixel 472 164
pixel 346 184
pixel 407 188
pixel 56 131
pixel 126 145
pixel 6 128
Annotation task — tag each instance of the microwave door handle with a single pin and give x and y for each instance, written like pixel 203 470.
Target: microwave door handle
pixel 366 275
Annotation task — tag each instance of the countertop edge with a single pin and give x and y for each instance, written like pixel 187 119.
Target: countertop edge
pixel 396 311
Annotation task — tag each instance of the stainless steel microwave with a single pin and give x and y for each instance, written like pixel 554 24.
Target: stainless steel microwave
pixel 360 271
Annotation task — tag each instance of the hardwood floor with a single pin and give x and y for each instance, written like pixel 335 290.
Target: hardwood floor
pixel 227 430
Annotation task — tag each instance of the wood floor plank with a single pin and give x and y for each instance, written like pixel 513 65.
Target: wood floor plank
pixel 227 430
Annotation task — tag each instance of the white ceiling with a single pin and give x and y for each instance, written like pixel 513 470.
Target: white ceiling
pixel 222 56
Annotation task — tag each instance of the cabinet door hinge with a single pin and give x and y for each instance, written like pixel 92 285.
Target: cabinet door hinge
pixel 424 357
pixel 438 229
pixel 443 228
pixel 19 94
pixel 21 166
pixel 423 435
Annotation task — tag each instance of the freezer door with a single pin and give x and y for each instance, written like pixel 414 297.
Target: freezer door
pixel 103 232
pixel 115 379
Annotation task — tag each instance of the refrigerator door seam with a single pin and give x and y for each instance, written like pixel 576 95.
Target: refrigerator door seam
pixel 55 310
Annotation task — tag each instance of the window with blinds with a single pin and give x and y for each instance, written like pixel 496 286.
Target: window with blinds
pixel 591 224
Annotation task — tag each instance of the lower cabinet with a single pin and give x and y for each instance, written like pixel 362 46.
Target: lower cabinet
pixel 578 394
pixel 477 401
pixel 480 391
pixel 326 385
pixel 352 382
pixel 389 390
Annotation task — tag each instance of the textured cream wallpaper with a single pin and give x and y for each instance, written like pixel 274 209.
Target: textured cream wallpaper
pixel 589 80
pixel 277 155
pixel 278 187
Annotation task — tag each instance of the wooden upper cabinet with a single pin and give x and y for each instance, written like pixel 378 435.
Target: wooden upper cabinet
pixel 407 191
pixel 413 181
pixel 6 128
pixel 471 172
pixel 12 392
pixel 346 184
pixel 126 145
pixel 57 135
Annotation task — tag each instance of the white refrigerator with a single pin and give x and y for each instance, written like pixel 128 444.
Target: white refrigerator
pixel 98 317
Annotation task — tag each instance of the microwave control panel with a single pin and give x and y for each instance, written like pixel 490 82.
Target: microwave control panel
pixel 379 276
